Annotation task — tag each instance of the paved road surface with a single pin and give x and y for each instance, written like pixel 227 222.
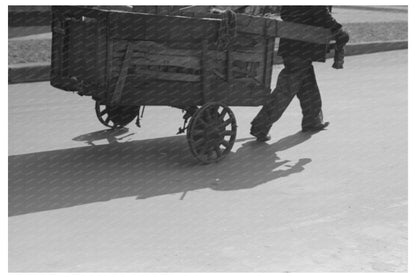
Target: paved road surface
pixel 85 199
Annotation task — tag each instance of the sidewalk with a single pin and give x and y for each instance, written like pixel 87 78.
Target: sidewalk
pixel 360 15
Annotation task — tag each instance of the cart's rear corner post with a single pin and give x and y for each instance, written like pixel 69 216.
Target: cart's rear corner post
pixel 102 55
pixel 205 72
pixel 56 55
pixel 59 55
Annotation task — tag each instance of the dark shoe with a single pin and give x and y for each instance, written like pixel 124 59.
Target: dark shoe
pixel 262 137
pixel 315 128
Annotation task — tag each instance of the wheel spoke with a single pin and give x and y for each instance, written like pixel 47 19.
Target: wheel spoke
pixel 225 143
pixel 107 120
pixel 227 122
pixel 102 113
pixel 223 113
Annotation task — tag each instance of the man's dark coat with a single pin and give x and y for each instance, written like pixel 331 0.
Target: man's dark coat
pixel 310 15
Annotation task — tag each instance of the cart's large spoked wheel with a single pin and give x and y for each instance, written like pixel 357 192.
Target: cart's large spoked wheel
pixel 212 132
pixel 115 116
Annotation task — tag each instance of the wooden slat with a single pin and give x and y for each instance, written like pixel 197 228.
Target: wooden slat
pixel 152 47
pixel 162 60
pixel 171 76
pixel 248 57
pixel 165 60
pixel 171 52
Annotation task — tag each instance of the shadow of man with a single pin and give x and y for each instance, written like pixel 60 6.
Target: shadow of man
pixel 251 165
pixel 257 163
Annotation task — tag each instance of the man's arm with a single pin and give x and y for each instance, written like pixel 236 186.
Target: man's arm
pixel 310 15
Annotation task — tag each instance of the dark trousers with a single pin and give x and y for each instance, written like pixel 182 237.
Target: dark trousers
pixel 297 78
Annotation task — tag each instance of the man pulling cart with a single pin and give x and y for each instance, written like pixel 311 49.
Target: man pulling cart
pixel 298 76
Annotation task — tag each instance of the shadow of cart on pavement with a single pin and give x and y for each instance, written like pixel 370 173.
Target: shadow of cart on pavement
pixel 141 169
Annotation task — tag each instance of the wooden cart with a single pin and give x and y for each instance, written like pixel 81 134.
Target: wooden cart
pixel 200 63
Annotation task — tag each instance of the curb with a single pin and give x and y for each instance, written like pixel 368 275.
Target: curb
pixel 34 72
pixel 29 72
pixel 373 8
pixel 372 47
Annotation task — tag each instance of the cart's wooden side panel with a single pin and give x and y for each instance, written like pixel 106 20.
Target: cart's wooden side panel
pixel 78 49
pixel 236 77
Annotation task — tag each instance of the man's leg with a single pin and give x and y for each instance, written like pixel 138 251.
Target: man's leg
pixel 274 107
pixel 310 101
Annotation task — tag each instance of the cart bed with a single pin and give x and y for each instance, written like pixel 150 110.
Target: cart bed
pixel 127 58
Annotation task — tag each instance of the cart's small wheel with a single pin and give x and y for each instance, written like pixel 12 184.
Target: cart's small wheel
pixel 115 116
pixel 211 132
